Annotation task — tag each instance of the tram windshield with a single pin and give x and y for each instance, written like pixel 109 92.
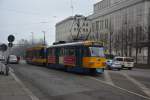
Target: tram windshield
pixel 97 51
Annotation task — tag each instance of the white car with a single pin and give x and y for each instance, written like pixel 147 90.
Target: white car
pixel 3 68
pixel 2 58
pixel 113 64
pixel 12 59
pixel 126 62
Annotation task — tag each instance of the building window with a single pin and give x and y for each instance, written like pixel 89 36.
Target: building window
pixel 92 27
pixel 86 30
pixel 74 29
pixel 106 23
pixel 102 24
pixel 83 24
pixel 97 26
pixel 86 24
pixel 140 50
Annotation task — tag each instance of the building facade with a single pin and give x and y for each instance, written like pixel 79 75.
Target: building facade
pixel 73 27
pixel 123 27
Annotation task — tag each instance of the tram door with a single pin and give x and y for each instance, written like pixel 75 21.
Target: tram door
pixel 79 56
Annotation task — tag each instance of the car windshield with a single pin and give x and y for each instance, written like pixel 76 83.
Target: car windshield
pixel 13 57
pixel 119 59
pixel 129 59
pixel 97 51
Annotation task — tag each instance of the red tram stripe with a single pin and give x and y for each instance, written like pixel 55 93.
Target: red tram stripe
pixel 52 59
pixel 70 60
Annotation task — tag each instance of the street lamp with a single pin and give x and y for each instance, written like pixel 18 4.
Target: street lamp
pixel 32 37
pixel 44 38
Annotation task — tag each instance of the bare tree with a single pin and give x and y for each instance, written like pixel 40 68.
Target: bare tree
pixel 19 49
pixel 149 38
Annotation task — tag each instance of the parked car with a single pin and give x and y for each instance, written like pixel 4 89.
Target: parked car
pixel 2 59
pixel 13 59
pixel 4 69
pixel 126 62
pixel 113 64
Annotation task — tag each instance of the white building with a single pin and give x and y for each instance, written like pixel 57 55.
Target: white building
pixel 72 27
pixel 123 27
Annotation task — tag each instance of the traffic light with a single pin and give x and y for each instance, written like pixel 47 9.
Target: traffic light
pixel 10 44
pixel 3 47
pixel 11 38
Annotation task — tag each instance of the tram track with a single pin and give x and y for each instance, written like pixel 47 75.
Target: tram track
pixel 108 81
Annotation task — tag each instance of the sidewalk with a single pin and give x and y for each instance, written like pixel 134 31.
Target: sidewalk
pixel 142 66
pixel 10 89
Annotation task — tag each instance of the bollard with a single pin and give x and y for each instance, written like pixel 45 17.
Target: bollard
pixel 7 70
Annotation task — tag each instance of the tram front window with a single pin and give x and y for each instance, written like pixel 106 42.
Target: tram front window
pixel 97 51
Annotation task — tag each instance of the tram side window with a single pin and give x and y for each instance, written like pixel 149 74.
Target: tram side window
pixel 61 52
pixel 51 52
pixel 37 54
pixel 33 53
pixel 86 52
pixel 42 53
pixel 65 52
pixel 70 52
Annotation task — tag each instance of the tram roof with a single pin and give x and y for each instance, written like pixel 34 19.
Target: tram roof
pixel 84 43
pixel 36 47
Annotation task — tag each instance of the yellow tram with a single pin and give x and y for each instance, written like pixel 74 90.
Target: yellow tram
pixel 82 57
pixel 36 55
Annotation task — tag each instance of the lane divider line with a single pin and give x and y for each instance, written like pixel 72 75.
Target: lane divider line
pixel 140 85
pixel 107 78
pixel 142 96
pixel 30 94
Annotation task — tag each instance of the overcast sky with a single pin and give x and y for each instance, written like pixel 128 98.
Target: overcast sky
pixel 21 17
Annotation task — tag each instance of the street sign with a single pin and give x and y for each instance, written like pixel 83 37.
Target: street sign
pixel 11 38
pixel 10 44
pixel 3 47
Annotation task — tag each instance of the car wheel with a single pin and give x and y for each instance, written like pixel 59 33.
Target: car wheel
pixel 119 69
pixel 108 67
pixel 130 68
pixel 122 66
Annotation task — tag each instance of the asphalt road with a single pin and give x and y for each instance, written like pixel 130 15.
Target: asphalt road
pixel 50 84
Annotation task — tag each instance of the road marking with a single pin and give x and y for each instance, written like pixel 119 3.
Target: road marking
pixel 140 85
pixel 107 78
pixel 120 88
pixel 32 96
pixel 11 70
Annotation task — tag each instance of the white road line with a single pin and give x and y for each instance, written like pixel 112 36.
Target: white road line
pixel 11 70
pixel 140 85
pixel 32 96
pixel 107 78
pixel 120 88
